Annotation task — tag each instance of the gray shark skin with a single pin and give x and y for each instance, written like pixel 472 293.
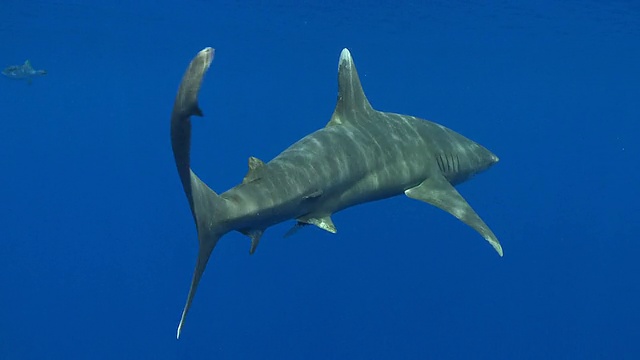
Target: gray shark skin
pixel 23 72
pixel 361 155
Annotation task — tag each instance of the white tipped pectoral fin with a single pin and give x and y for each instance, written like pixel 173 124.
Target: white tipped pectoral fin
pixel 323 222
pixel 438 192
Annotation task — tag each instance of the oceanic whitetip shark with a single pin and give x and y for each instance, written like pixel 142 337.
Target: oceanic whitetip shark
pixel 24 71
pixel 361 155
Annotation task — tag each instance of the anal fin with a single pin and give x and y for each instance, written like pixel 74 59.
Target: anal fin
pixel 438 192
pixel 255 236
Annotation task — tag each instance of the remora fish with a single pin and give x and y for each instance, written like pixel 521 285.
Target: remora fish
pixel 361 155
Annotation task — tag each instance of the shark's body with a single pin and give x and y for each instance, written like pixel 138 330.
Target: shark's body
pixel 361 155
pixel 23 72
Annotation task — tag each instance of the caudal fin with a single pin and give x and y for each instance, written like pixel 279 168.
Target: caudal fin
pixel 206 208
pixel 204 252
pixel 205 204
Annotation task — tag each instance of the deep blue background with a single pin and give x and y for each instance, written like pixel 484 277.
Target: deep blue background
pixel 97 244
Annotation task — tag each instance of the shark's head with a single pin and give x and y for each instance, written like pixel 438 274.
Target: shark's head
pixel 483 159
pixel 464 161
pixel 489 159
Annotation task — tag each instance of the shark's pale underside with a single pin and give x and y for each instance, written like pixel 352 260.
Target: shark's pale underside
pixel 361 155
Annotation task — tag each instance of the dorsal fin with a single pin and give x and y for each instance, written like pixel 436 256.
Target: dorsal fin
pixel 351 97
pixel 255 168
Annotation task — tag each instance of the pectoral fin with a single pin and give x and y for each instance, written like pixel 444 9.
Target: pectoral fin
pixel 294 229
pixel 323 222
pixel 438 192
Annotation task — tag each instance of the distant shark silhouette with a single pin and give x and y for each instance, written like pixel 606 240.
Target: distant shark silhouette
pixel 23 72
pixel 360 156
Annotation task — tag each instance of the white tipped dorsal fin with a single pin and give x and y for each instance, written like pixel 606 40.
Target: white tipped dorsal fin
pixel 351 97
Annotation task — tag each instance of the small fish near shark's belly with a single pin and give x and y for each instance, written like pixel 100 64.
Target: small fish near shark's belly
pixel 258 205
pixel 284 195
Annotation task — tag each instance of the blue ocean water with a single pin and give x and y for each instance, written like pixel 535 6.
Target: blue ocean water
pixel 97 244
